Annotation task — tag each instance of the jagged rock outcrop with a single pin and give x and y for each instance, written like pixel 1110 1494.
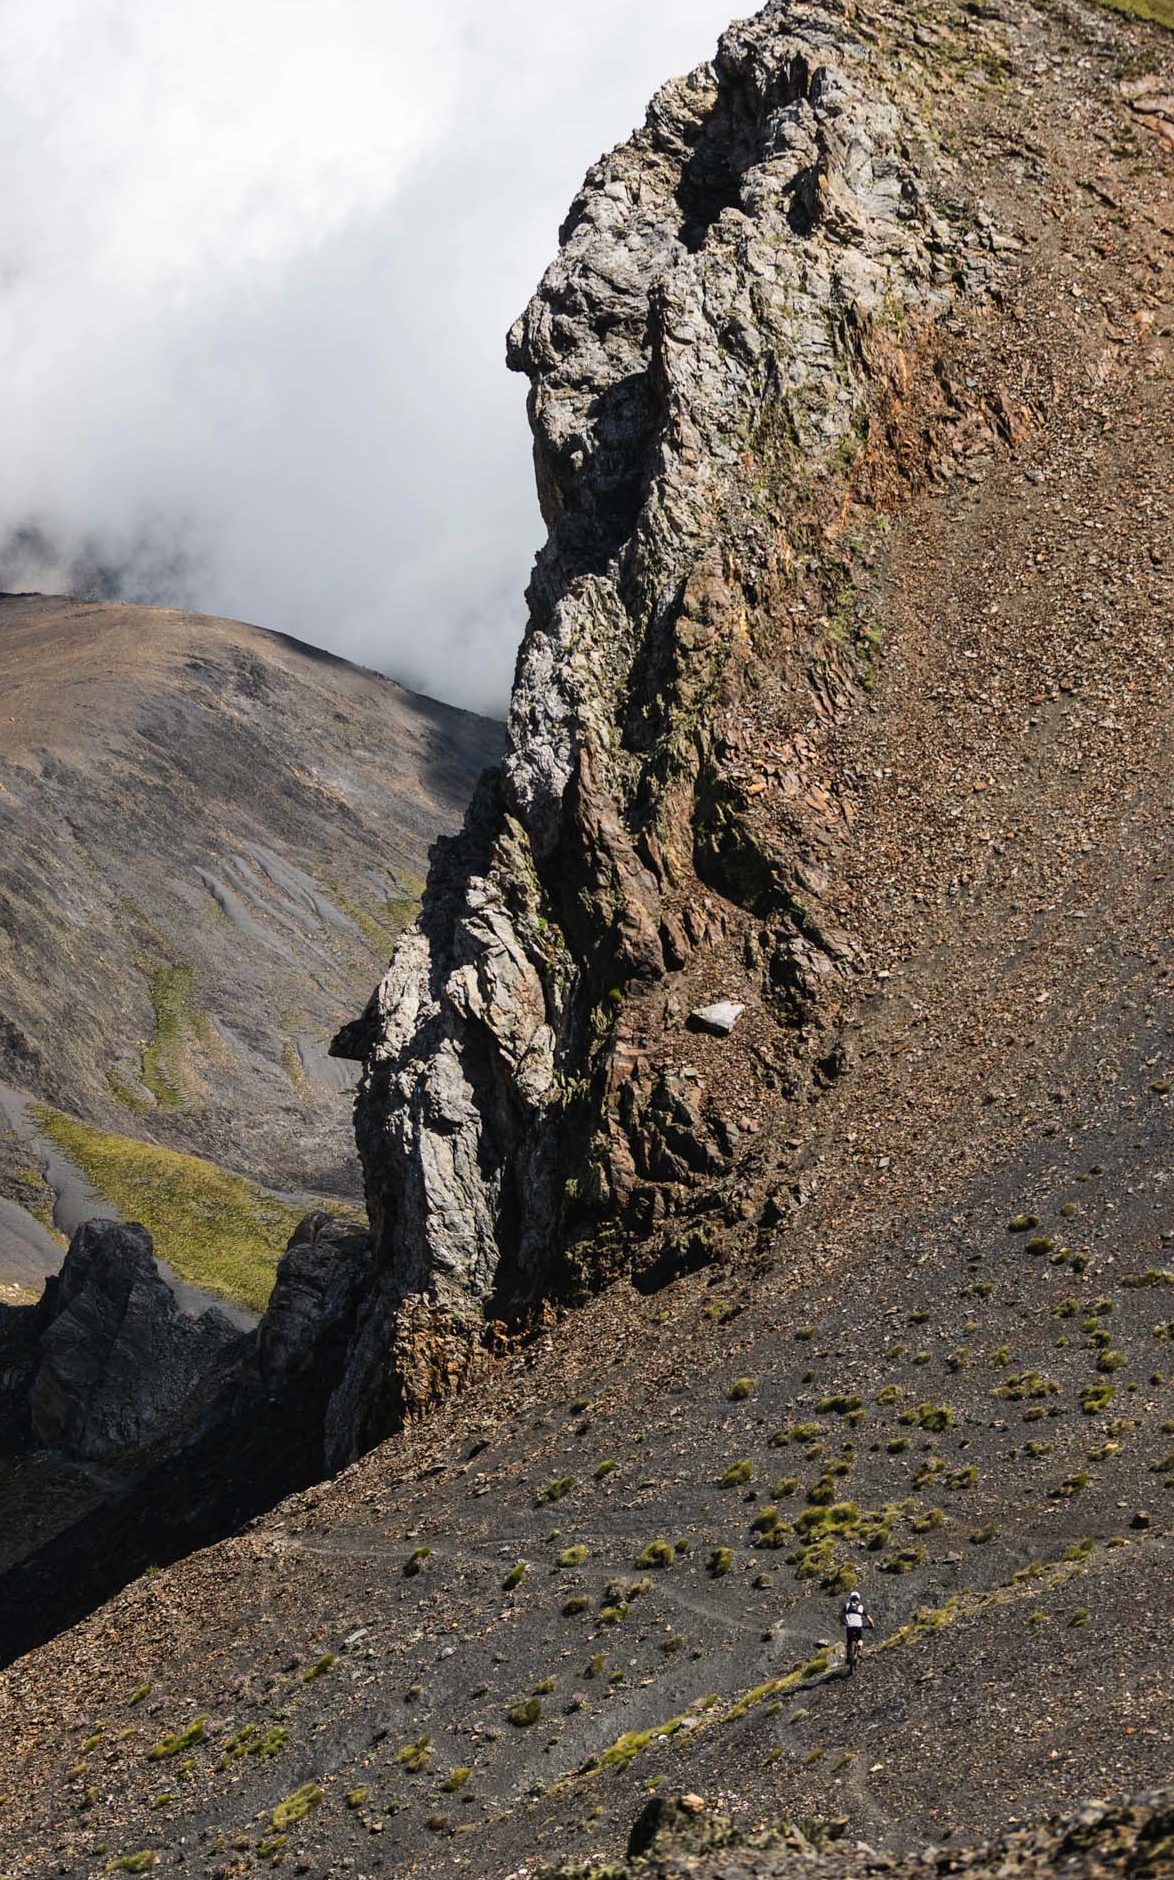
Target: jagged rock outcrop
pixel 194 1425
pixel 710 357
pixel 116 1354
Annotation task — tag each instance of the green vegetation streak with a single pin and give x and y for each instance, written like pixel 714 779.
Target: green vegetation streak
pixel 1161 12
pixel 218 1231
pixel 178 1024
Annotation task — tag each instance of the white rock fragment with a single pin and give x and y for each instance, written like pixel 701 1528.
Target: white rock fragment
pixel 720 1017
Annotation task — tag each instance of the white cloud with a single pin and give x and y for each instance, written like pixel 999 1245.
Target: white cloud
pixel 256 265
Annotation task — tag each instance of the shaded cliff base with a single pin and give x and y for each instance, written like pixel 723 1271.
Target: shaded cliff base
pixel 138 1422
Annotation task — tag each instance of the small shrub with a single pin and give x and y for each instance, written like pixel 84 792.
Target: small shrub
pixel 1080 1616
pixel 720 1561
pixel 926 1520
pixel 1039 1243
pixel 736 1474
pixel 456 1779
pixel 554 1491
pixel 962 1478
pixel 415 1561
pixel 1070 1486
pixel 904 1561
pixel 784 1486
pixel 577 1603
pixel 1021 1223
pixel 415 1756
pixel 133 1863
pixel 1020 1384
pixel 1110 1361
pixel 355 1797
pixel 658 1553
pixel 841 1405
pixel 525 1713
pixel 594 1667
pixel 1096 1397
pixel 515 1576
pixel 573 1556
pixel 270 1743
pixel 604 1469
pixel 741 1388
pixel 317 1670
pixel 935 1416
pixel 836 1517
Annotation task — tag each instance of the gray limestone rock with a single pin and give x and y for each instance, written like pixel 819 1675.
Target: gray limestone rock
pixel 320 1278
pixel 116 1353
pixel 700 339
pixel 720 1017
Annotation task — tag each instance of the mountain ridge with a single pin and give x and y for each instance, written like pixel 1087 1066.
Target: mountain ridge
pixel 189 810
pixel 899 1317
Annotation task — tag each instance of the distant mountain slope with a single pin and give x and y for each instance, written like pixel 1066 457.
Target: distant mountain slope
pixel 209 837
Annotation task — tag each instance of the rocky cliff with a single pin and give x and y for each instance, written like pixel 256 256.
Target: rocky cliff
pixel 717 360
pixel 930 1352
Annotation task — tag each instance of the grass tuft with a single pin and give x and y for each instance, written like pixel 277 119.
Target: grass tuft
pixel 295 1807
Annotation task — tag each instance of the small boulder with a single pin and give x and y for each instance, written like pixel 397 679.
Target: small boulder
pixel 719 1018
pixel 676 1825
